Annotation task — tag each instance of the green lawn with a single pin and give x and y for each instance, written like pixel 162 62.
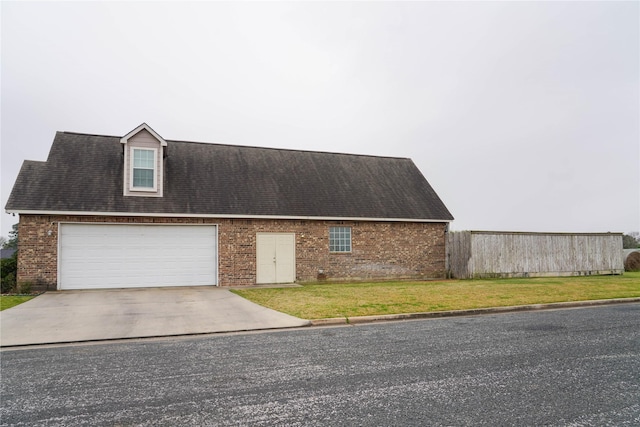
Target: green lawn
pixel 318 301
pixel 8 301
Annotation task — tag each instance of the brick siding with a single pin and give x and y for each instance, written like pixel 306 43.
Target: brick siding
pixel 380 250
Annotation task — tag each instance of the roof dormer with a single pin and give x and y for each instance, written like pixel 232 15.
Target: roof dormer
pixel 143 162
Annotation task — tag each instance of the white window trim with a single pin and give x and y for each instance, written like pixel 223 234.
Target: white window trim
pixel 350 239
pixel 155 170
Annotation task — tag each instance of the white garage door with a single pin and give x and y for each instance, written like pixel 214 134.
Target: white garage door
pixel 98 256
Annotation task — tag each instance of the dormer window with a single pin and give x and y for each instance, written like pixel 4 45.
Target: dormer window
pixel 143 162
pixel 144 170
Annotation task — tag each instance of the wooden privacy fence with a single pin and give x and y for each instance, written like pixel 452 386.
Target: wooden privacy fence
pixel 484 254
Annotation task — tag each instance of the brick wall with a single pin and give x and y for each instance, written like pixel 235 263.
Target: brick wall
pixel 380 250
pixel 38 251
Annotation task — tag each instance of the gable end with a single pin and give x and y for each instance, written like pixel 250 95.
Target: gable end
pixel 143 172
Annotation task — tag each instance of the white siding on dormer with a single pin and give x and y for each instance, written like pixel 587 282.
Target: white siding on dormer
pixel 143 139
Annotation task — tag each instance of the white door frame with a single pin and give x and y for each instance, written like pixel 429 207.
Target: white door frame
pixel 273 253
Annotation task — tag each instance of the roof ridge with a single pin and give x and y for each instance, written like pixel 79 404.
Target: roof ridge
pixel 224 144
pixel 287 149
pixel 88 134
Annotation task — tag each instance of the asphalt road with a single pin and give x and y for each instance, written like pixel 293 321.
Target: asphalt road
pixel 577 367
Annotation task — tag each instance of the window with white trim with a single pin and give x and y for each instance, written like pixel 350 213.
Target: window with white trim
pixel 144 169
pixel 339 239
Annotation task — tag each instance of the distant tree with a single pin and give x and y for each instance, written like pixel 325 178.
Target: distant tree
pixel 13 238
pixel 631 240
pixel 3 240
pixel 9 266
pixel 8 271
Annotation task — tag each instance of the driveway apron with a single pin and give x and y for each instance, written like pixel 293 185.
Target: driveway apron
pixel 90 315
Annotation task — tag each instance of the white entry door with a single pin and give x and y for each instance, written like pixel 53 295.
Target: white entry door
pixel 98 256
pixel 276 258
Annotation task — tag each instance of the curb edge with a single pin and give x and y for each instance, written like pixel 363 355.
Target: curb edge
pixel 470 312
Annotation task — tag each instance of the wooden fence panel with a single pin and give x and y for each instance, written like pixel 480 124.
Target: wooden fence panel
pixel 459 253
pixel 504 254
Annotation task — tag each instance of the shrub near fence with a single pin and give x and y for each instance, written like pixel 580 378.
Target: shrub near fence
pixel 492 254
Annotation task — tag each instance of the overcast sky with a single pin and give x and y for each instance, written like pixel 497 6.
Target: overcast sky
pixel 523 116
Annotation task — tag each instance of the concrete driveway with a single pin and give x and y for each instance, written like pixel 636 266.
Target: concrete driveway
pixel 74 316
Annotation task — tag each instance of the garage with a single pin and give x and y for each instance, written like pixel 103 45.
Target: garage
pixel 99 256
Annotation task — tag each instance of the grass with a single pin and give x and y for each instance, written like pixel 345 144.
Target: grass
pixel 8 301
pixel 317 301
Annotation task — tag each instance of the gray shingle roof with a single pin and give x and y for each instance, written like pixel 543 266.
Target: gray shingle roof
pixel 84 173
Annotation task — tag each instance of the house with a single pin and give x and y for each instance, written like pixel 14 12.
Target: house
pixel 138 210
